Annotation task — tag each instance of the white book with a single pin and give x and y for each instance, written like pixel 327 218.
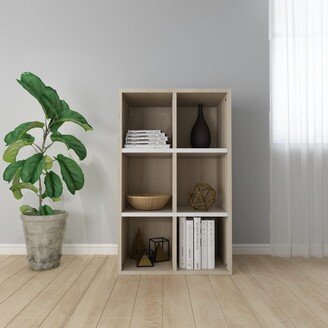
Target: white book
pixel 190 244
pixel 147 146
pixel 142 135
pixel 211 244
pixel 182 242
pixel 204 243
pixel 146 138
pixel 144 131
pixel 197 247
pixel 145 143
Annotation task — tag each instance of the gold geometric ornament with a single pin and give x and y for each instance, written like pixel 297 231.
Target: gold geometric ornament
pixel 202 197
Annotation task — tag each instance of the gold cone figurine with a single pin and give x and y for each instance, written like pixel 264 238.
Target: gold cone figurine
pixel 161 248
pixel 160 255
pixel 138 245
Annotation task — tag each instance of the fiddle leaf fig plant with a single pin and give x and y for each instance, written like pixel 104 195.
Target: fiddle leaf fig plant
pixel 36 173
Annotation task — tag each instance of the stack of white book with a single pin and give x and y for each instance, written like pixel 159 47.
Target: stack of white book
pixel 196 243
pixel 146 139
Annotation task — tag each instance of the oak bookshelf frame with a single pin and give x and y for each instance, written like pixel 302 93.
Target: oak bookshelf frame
pixel 175 170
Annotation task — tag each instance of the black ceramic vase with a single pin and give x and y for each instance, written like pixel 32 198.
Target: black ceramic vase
pixel 200 136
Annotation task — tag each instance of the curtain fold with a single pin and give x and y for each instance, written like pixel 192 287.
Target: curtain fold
pixel 299 127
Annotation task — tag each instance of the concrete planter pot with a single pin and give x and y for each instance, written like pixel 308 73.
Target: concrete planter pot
pixel 44 236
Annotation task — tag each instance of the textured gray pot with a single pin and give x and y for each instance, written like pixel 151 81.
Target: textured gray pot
pixel 44 236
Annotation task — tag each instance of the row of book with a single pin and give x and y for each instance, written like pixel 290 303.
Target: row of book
pixel 196 243
pixel 146 139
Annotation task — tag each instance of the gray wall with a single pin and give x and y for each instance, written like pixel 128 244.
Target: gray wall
pixel 88 50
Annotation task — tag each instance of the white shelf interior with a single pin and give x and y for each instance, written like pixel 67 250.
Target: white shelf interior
pixel 130 266
pixel 131 212
pixel 214 211
pixel 182 211
pixel 185 152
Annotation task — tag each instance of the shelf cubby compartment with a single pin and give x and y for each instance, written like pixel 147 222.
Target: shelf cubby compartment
pixel 146 111
pixel 150 227
pixel 216 112
pixel 202 169
pixel 222 253
pixel 146 174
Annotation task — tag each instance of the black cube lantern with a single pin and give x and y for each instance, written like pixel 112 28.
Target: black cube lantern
pixel 161 249
pixel 145 258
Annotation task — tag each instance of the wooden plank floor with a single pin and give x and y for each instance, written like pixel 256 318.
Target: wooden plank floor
pixel 85 291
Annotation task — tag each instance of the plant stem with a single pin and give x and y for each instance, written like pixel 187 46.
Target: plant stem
pixel 48 147
pixel 34 144
pixel 35 149
pixel 40 193
pixel 43 150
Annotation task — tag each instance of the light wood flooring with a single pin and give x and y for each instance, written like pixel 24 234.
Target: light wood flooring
pixel 85 291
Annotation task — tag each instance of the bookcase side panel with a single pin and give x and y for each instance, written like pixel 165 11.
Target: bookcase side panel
pixel 123 247
pixel 224 122
pixel 225 176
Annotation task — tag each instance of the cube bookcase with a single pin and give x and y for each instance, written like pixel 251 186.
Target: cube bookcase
pixel 175 171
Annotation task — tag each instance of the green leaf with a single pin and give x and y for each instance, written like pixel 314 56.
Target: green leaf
pixel 54 185
pixel 46 210
pixel 57 199
pixel 42 211
pixel 70 116
pixel 26 209
pixel 20 132
pixel 17 193
pixel 72 143
pixel 51 101
pixel 16 189
pixel 64 105
pixel 27 137
pixel 49 210
pixel 32 168
pixel 34 85
pixel 71 173
pixel 48 162
pixel 12 150
pixel 11 170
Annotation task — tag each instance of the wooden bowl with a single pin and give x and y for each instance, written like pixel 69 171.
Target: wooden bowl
pixel 148 202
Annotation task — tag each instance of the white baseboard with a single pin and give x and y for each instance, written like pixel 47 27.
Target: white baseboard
pixel 12 249
pixel 252 249
pixel 112 249
pixel 75 249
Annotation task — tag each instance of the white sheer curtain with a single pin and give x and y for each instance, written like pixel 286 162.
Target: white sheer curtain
pixel 299 127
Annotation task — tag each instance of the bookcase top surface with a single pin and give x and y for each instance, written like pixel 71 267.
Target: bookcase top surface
pixel 177 90
pixel 163 97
